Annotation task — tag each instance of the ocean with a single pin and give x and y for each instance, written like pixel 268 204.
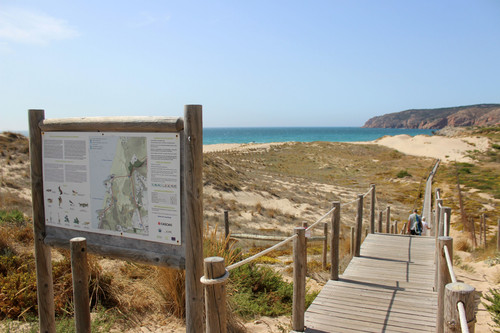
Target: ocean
pixel 301 134
pixel 298 134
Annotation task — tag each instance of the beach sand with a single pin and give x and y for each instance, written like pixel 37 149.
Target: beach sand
pixel 445 148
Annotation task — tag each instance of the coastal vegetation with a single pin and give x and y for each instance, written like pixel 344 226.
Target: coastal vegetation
pixel 266 190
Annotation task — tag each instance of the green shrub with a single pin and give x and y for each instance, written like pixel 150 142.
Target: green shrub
pixel 493 307
pixel 256 290
pixel 13 216
pixel 403 174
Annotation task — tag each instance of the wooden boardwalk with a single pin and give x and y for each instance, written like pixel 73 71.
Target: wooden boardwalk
pixel 388 289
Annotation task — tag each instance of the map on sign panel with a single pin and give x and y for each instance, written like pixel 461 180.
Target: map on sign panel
pixel 125 184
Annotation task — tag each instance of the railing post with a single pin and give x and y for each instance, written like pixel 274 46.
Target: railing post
pixel 226 223
pixel 458 292
pixel 372 210
pixel 353 240
pixel 436 213
pixel 215 296
pixel 79 270
pixel 483 222
pixel 380 217
pixel 437 234
pixel 299 279
pixel 359 226
pixel 447 211
pixel 439 214
pixel 498 235
pixel 335 242
pixel 325 244
pixel 443 279
pixel 226 227
pixel 388 219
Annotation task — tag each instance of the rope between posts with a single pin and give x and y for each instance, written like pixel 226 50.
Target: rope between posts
pixel 222 279
pixel 449 264
pixel 463 317
pixel 255 256
pixel 260 254
pixel 320 219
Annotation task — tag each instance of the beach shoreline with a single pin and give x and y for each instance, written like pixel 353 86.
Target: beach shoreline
pixel 447 149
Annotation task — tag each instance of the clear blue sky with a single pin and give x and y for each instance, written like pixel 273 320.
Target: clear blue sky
pixel 249 63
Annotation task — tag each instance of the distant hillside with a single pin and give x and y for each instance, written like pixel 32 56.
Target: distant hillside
pixel 471 115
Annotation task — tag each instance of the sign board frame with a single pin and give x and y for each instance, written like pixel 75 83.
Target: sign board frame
pixel 156 253
pixel 188 255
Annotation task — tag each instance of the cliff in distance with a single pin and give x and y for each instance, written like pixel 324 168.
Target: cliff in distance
pixel 460 116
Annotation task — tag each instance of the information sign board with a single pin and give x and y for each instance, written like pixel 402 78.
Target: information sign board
pixel 124 184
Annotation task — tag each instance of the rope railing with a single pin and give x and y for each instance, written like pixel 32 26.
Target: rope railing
pixel 261 253
pixel 320 219
pixel 216 264
pixel 449 264
pixel 463 317
pixel 451 293
pixel 289 239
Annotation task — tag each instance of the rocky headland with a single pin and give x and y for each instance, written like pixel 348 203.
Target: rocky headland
pixel 460 116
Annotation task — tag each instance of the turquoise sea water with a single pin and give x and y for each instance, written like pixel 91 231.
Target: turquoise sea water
pixel 301 134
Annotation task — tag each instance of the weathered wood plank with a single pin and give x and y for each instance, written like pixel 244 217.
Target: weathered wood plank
pixel 381 290
pixel 114 124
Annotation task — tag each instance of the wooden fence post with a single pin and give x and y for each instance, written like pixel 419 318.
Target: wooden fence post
pixel 437 234
pixel 44 282
pixel 485 229
pixel 79 269
pixel 388 219
pixel 335 242
pixel 439 214
pixel 372 209
pixel 498 235
pixel 380 217
pixel 443 278
pixel 193 210
pixel 359 226
pixel 447 211
pixel 226 227
pixel 392 228
pixel 215 296
pixel 325 244
pixel 299 279
pixel 473 227
pixel 436 213
pixel 454 293
pixel 304 225
pixel 353 240
pixel 396 227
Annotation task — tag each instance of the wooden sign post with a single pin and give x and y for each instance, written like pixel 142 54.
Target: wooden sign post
pixel 131 186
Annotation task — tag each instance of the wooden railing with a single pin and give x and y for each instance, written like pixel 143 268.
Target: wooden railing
pixel 216 273
pixel 455 312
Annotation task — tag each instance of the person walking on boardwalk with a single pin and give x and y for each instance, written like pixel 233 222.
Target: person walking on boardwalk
pixel 414 223
pixel 425 227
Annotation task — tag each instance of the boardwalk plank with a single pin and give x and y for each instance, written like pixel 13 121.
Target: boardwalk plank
pixel 383 290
